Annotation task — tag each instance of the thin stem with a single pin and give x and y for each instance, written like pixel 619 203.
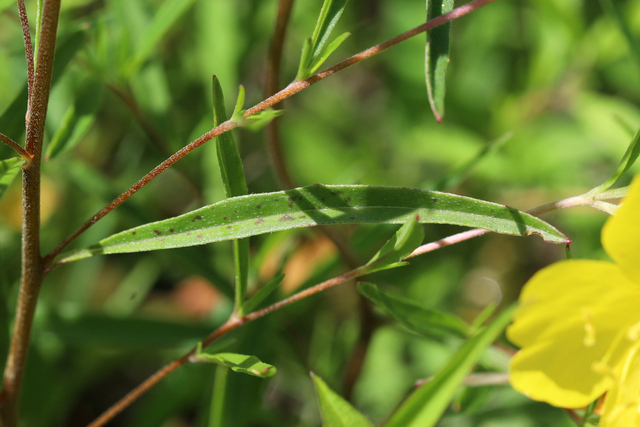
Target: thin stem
pixel 274 141
pixel 31 279
pixel 16 147
pixel 285 93
pixel 28 51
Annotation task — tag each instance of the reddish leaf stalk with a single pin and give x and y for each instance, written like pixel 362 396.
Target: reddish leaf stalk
pixel 32 276
pixel 28 51
pixel 285 93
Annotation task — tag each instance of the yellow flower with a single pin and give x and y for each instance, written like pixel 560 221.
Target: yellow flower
pixel 578 326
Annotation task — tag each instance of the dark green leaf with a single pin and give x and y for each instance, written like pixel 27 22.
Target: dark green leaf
pixel 423 320
pixel 337 412
pixel 437 56
pixel 262 294
pixel 255 214
pixel 405 241
pixel 8 171
pixel 241 363
pixel 425 406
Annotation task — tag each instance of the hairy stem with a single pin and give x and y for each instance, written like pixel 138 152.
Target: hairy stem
pixel 31 279
pixel 285 93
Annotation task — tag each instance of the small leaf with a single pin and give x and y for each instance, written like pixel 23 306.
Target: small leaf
pixel 241 363
pixel 163 20
pixel 423 320
pixel 425 406
pixel 234 185
pixel 629 158
pixel 337 412
pixel 8 171
pixel 313 205
pixel 313 50
pixel 437 56
pixel 262 294
pixel 406 239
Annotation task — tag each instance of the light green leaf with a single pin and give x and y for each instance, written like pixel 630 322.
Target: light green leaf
pixel 241 363
pixel 314 52
pixel 256 121
pixel 262 294
pixel 8 171
pixel 163 20
pixel 234 185
pixel 337 412
pixel 423 320
pixel 77 119
pixel 437 56
pixel 629 158
pixel 255 214
pixel 425 406
pixel 405 241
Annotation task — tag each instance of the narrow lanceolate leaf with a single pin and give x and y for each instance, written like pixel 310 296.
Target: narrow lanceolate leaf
pixel 337 412
pixel 253 302
pixel 234 185
pixel 406 239
pixel 241 363
pixel 425 406
pixel 255 214
pixel 8 170
pixel 423 320
pixel 629 158
pixel 315 50
pixel 437 56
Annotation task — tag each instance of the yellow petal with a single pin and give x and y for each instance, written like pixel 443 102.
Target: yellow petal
pixel 621 233
pixel 571 313
pixel 622 405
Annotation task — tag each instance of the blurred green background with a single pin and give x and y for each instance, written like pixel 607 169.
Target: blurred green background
pixel 132 85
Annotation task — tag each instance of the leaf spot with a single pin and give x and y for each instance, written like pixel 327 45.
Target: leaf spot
pixel 196 218
pixel 158 232
pixel 259 221
pixel 258 207
pixel 286 218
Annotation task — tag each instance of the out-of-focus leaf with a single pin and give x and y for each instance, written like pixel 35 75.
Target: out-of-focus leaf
pixel 241 363
pixel 163 20
pixel 5 4
pixel 337 412
pixel 234 185
pixel 629 158
pixel 313 205
pixel 77 120
pixel 437 56
pixel 8 171
pixel 425 406
pixel 615 10
pixel 262 294
pixel 454 179
pixel 405 241
pixel 423 320
pixel 314 52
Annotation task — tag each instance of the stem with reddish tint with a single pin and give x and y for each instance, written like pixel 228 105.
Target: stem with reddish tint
pixel 31 279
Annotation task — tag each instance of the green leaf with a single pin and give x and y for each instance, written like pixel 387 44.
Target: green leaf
pixel 164 18
pixel 8 171
pixel 437 56
pixel 423 320
pixel 241 363
pixel 314 52
pixel 629 158
pixel 262 294
pixel 313 205
pixel 405 241
pixel 337 412
pixel 425 406
pixel 254 122
pixel 234 185
pixel 77 119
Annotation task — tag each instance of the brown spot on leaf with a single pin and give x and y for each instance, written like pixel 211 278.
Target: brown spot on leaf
pixel 286 218
pixel 259 221
pixel 258 207
pixel 133 233
pixel 196 218
pixel 229 227
pixel 158 232
pixel 199 236
pixel 171 230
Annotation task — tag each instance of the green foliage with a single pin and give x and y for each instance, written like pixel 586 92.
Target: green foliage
pixel 437 56
pixel 240 363
pixel 131 86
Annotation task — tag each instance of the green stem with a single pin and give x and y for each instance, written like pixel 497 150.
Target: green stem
pixel 31 279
